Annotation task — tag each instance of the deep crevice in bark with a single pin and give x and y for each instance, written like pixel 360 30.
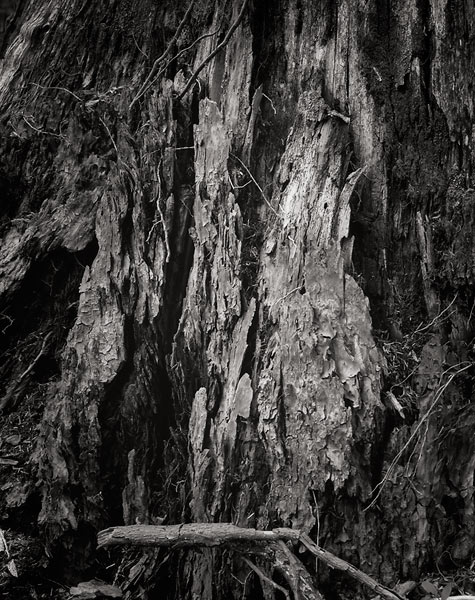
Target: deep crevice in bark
pixel 45 303
pixel 262 23
pixel 113 465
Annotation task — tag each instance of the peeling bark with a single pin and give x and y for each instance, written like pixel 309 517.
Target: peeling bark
pixel 236 270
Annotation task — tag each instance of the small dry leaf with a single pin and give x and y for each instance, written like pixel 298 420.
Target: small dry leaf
pixel 8 461
pixel 403 589
pixel 445 593
pixel 94 589
pixel 13 439
pixel 11 566
pixel 3 543
pixel 430 588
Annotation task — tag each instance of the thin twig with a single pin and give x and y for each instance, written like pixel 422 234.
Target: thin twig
pixel 437 317
pixel 156 222
pixel 180 54
pixel 243 583
pixel 36 359
pixel 43 131
pixel 192 45
pixel 10 396
pixel 295 573
pixel 271 103
pixel 296 289
pixel 162 218
pixel 238 187
pixel 55 87
pixel 471 313
pixel 176 57
pixel 218 48
pixel 427 414
pixel 110 136
pixel 256 184
pixel 5 316
pixel 317 515
pixel 61 585
pixel 138 47
pixel 334 113
pixel 422 444
pixel 156 64
pixel 398 383
pixel 119 158
pixel 165 232
pixel 162 562
pixel 342 565
pixel 264 577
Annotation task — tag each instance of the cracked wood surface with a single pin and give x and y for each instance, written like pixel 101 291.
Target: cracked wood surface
pixel 203 270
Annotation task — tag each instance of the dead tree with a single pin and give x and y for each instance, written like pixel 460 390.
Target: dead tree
pixel 236 281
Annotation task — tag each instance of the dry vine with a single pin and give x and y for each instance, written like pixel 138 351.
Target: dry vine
pixel 218 49
pixel 162 57
pixel 437 396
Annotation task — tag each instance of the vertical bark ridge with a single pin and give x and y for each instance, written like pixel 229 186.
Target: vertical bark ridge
pixel 251 341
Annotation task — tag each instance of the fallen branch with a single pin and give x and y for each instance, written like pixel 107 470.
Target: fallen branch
pixel 184 535
pixel 226 534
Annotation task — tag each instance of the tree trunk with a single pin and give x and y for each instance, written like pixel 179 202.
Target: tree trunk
pixel 236 284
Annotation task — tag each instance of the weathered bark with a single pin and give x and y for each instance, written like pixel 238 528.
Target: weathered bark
pixel 234 294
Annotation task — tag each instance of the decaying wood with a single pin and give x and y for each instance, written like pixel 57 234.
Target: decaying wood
pixel 226 534
pixel 185 535
pixel 218 273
